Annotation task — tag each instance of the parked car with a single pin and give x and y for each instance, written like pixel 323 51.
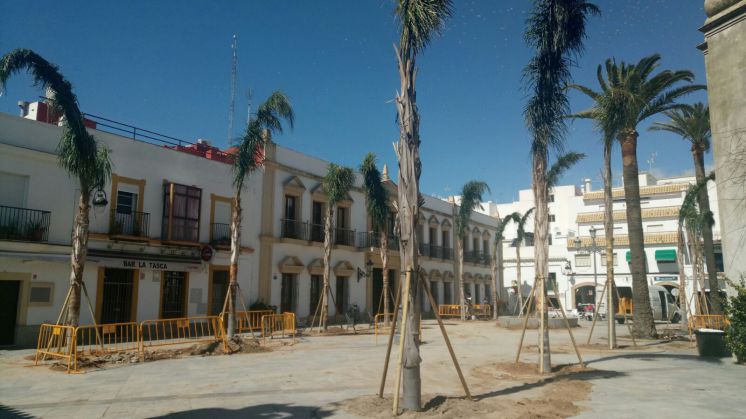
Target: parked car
pixel 662 301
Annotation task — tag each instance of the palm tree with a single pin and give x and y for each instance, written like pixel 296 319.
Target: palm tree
pixel 419 21
pixel 632 94
pixel 336 185
pixel 79 154
pixel 521 236
pixel 248 157
pixel 471 198
pixel 497 259
pixel 692 123
pixel 556 30
pixel 377 201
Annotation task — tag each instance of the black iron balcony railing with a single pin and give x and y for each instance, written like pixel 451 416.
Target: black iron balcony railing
pixel 317 233
pixel 471 256
pixel 436 252
pixel 424 249
pixel 220 234
pixel 368 239
pixel 486 259
pixel 447 253
pixel 23 224
pixel 344 237
pixel 293 229
pixel 133 223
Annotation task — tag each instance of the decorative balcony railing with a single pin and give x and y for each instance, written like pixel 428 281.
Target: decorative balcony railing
pixel 293 229
pixel 317 233
pixel 133 223
pixel 344 237
pixel 220 234
pixel 24 224
pixel 368 239
pixel 447 253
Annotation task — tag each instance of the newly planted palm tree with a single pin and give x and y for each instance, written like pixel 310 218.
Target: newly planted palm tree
pixel 419 21
pixel 555 30
pixel 633 94
pixel 248 157
pixel 692 123
pixel 498 269
pixel 336 185
pixel 471 198
pixel 78 153
pixel 377 204
pixel 521 235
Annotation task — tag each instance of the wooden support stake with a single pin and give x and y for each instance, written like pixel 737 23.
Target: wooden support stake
pixel 405 308
pixel 93 315
pixel 595 314
pixel 542 323
pixel 567 324
pixel 525 323
pixel 392 332
pixel 426 286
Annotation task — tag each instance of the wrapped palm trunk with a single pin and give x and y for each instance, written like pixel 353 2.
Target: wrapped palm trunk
pixel 384 248
pixel 541 250
pixel 327 267
pixel 233 273
pixel 78 257
pixel 609 235
pixel 495 284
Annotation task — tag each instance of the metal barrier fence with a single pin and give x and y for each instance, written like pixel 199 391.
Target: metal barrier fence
pixel 707 321
pixel 250 321
pixel 107 338
pixel 284 324
pixel 163 332
pixel 454 310
pixel 482 310
pixel 449 310
pixel 57 341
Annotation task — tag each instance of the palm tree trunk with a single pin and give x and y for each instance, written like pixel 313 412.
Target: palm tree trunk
pixel 78 257
pixel 643 324
pixel 327 266
pixel 233 272
pixel 494 281
pixel 519 290
pixel 683 302
pixel 709 247
pixel 384 243
pixel 410 166
pixel 461 296
pixel 541 251
pixel 609 234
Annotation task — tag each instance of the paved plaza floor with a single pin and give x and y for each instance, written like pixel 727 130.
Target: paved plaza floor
pixel 315 376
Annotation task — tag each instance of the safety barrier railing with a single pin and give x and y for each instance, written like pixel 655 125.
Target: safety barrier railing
pixel 57 341
pixel 107 338
pixel 379 324
pixel 282 324
pixel 449 310
pixel 250 321
pixel 707 321
pixel 186 330
pixel 482 310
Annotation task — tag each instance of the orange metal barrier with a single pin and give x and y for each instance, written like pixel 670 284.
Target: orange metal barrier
pixel 482 310
pixel 57 341
pixel 284 324
pixel 107 338
pixel 707 321
pixel 378 324
pixel 185 330
pixel 250 321
pixel 449 310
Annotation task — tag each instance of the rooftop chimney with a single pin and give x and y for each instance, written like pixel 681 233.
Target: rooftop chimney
pixel 24 107
pixel 586 185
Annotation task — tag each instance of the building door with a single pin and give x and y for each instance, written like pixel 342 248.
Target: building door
pixel 219 288
pixel 117 295
pixel 447 293
pixel 377 291
pixel 8 310
pixel 317 283
pixel 341 297
pixel 174 295
pixel 287 293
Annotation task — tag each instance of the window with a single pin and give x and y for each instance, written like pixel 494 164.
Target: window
pixel 343 219
pixel 316 285
pixel 181 221
pixel 475 245
pixel 433 236
pixel 126 202
pixel 317 221
pixel 174 295
pixel 447 293
pixel 13 190
pixel 603 259
pixel 287 293
pixel 446 239
pixel 290 207
pixel 528 239
pixel 41 294
pixel 551 218
pixel 551 197
pixel 583 260
pixel 485 246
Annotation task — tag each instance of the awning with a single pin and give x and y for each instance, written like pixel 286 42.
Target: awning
pixel 665 255
pixel 629 256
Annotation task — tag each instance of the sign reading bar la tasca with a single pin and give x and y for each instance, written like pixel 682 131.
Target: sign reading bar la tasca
pixel 153 265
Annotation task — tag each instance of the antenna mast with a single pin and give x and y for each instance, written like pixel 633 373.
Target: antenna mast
pixel 232 107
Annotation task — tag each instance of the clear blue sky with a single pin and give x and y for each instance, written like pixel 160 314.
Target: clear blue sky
pixel 165 66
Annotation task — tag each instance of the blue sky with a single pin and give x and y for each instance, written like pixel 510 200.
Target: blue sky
pixel 165 66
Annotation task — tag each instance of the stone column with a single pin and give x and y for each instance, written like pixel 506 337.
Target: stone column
pixel 725 59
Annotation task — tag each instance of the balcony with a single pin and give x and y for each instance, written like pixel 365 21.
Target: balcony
pixel 293 229
pixel 132 224
pixel 368 239
pixel 344 237
pixel 220 234
pixel 447 253
pixel 436 252
pixel 23 224
pixel 317 233
pixel 477 257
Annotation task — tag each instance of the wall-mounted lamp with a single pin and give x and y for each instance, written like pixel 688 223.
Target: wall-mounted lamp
pixel 99 198
pixel 274 277
pixel 364 274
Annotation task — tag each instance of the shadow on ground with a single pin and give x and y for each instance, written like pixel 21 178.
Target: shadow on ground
pixel 656 356
pixel 270 411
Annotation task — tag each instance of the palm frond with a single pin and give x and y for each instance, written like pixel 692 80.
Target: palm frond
pixel 563 163
pixel 521 231
pixel 420 20
pixel 337 183
pixel 690 122
pixel 376 196
pixel 471 198
pixel 271 113
pixel 500 231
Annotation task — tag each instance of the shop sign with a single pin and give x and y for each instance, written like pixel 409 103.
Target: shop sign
pixel 153 265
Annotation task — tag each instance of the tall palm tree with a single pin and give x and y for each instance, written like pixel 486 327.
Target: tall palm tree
pixel 377 204
pixel 498 269
pixel 78 153
pixel 419 21
pixel 692 123
pixel 521 235
pixel 633 94
pixel 336 185
pixel 555 30
pixel 471 198
pixel 599 113
pixel 248 157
